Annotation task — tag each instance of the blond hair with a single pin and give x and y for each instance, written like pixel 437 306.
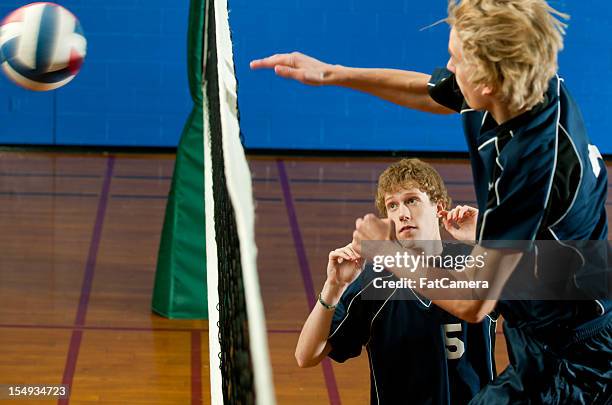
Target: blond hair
pixel 512 45
pixel 409 173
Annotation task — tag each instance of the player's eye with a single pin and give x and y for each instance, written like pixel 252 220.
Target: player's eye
pixel 412 201
pixel 391 206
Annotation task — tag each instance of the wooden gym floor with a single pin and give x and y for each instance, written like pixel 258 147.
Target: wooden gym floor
pixel 78 250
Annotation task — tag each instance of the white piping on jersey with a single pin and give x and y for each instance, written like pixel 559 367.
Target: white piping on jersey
pixel 579 182
pixel 570 247
pixel 373 374
pixel 348 309
pixel 491 348
pixel 487 142
pixel 559 125
pixel 535 267
pixel 431 84
pixel 467 110
pixel 511 134
pixel 575 250
pixel 419 298
pixel 603 309
pixel 499 164
pixel 378 312
pixel 553 175
pixel 368 344
pixel 484 217
pixel 554 169
pixel 499 178
pixel 484 117
pixel 497 189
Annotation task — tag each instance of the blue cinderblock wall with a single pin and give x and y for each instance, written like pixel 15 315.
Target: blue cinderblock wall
pixel 280 114
pixel 133 89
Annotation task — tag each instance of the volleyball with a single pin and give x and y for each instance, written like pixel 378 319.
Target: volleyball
pixel 42 46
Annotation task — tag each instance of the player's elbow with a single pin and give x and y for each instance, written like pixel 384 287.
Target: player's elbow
pixel 473 316
pixel 475 311
pixel 304 361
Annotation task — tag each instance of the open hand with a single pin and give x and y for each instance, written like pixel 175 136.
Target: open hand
pixel 297 66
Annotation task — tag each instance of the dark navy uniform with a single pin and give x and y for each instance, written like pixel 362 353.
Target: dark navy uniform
pixel 537 177
pixel 418 353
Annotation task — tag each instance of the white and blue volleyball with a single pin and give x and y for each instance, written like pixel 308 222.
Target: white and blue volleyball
pixel 42 46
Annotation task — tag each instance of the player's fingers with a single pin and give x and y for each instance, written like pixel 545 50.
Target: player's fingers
pixel 355 254
pixel 449 214
pixel 289 73
pixel 458 212
pixel 370 217
pixel 352 253
pixel 453 216
pixel 343 253
pixel 447 224
pixel 462 211
pixel 271 61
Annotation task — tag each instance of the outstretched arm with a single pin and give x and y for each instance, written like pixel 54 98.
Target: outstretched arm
pixel 405 88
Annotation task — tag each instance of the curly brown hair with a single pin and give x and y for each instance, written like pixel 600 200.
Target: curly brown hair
pixel 409 173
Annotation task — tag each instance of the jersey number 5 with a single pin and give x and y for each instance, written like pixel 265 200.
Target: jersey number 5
pixel 454 345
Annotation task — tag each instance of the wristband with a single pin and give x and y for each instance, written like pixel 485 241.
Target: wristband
pixel 325 304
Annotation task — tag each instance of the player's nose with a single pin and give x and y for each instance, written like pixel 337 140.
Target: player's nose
pixel 404 213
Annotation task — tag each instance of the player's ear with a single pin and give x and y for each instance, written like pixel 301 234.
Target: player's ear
pixel 486 90
pixel 439 210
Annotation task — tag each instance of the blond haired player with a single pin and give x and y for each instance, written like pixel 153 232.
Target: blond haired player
pixel 536 175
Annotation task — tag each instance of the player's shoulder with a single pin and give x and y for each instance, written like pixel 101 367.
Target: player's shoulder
pixel 444 90
pixel 366 289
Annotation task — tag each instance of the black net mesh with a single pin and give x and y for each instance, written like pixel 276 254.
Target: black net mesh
pixel 236 367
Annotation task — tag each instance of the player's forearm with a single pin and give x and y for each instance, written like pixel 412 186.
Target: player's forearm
pixel 469 310
pixel 484 279
pixel 312 344
pixel 405 88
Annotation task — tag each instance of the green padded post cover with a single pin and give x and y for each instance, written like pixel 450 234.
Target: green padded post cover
pixel 180 279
